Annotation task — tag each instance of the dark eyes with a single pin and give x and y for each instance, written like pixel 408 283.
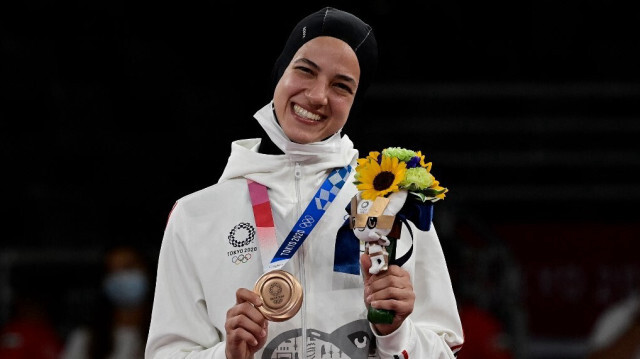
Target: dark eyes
pixel 304 69
pixel 342 86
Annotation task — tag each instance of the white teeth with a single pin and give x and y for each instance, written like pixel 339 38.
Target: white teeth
pixel 306 114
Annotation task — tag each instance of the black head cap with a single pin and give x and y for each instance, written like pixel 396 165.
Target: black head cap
pixel 341 25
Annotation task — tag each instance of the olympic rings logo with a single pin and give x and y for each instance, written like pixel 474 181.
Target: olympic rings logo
pixel 307 221
pixel 243 258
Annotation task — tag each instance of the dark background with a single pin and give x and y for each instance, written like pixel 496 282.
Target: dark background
pixel 111 111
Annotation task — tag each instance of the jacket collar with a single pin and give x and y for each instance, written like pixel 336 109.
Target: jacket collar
pixel 246 161
pixel 267 120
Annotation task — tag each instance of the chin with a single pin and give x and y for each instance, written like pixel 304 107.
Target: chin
pixel 302 138
pixel 302 141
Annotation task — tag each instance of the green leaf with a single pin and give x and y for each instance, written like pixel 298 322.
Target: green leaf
pixel 420 196
pixel 432 192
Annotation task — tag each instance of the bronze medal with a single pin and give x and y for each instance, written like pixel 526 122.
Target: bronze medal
pixel 281 295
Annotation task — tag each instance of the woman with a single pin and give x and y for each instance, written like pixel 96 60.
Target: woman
pixel 118 329
pixel 212 254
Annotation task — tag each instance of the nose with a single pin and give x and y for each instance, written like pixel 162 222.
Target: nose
pixel 317 93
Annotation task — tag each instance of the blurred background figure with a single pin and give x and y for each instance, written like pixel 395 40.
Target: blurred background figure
pixel 616 332
pixel 484 334
pixel 30 333
pixel 486 282
pixel 119 325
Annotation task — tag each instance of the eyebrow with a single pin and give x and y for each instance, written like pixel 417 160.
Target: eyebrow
pixel 314 65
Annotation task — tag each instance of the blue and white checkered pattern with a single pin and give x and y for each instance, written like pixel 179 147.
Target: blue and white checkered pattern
pixel 310 217
pixel 331 187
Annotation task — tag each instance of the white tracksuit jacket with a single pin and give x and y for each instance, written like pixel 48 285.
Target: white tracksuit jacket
pixel 208 252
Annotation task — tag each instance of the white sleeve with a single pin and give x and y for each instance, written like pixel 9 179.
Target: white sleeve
pixel 180 326
pixel 434 329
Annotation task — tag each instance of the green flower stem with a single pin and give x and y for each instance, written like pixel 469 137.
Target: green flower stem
pixel 380 316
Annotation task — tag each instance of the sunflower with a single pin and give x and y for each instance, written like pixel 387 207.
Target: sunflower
pixel 373 156
pixel 377 180
pixel 422 163
pixel 439 189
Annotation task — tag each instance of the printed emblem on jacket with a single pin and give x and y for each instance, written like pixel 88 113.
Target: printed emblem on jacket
pixel 351 341
pixel 241 238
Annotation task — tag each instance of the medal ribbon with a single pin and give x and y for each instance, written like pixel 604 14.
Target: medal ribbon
pixel 266 230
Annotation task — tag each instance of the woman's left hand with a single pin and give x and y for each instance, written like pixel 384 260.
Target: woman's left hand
pixel 391 290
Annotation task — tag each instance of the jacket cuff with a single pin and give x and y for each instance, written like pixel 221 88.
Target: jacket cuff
pixel 394 344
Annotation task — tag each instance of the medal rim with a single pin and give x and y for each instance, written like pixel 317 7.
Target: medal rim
pixel 291 308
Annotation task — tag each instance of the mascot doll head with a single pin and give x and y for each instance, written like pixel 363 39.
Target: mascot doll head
pixel 373 219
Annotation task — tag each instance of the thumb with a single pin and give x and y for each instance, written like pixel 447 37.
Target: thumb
pixel 365 264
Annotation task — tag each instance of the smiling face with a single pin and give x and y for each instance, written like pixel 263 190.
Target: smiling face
pixel 315 93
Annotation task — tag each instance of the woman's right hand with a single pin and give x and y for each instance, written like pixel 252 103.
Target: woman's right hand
pixel 245 326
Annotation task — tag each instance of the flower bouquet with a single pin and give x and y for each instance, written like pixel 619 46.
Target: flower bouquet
pixel 397 169
pixel 387 181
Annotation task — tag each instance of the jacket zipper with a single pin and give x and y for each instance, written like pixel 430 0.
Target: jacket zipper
pixel 303 348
